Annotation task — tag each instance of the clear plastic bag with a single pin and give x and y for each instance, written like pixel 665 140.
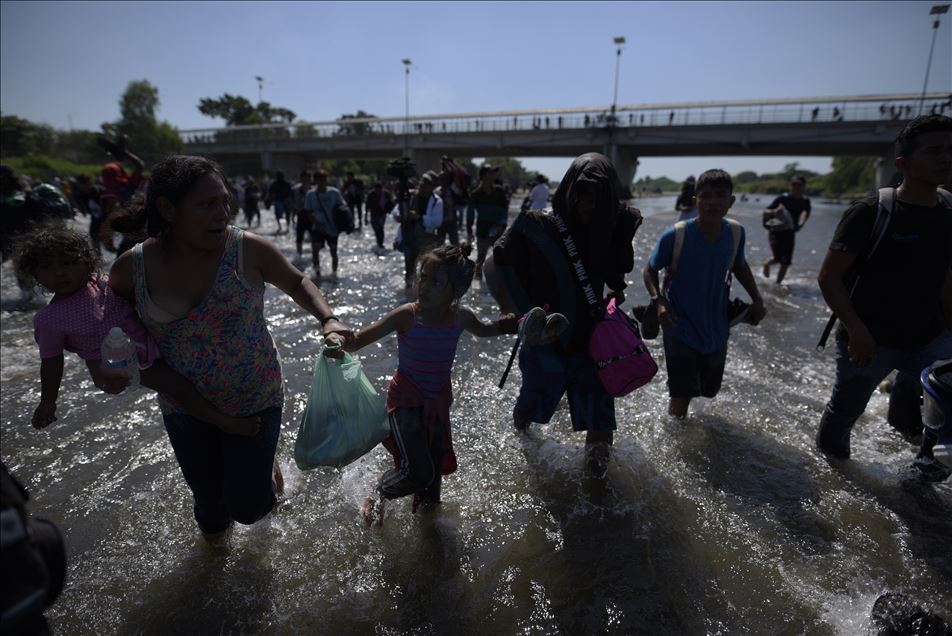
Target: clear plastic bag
pixel 344 418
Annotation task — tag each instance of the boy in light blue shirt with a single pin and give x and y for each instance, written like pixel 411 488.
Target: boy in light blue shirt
pixel 692 306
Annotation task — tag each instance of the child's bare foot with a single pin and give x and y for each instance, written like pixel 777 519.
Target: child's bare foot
pixel 247 426
pixel 372 511
pixel 276 477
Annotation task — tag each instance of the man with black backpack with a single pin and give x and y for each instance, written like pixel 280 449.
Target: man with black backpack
pixel 887 278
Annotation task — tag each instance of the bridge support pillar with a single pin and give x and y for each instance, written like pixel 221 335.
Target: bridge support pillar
pixel 267 161
pixel 886 172
pixel 626 165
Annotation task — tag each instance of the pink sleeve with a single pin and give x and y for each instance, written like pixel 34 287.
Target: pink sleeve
pixel 50 339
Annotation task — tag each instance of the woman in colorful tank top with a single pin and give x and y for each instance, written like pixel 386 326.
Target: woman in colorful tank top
pixel 420 393
pixel 198 284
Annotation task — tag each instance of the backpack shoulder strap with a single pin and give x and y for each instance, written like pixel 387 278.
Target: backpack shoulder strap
pixel 680 229
pixel 884 212
pixel 737 231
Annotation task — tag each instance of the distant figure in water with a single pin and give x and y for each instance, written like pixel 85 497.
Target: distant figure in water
pixel 420 392
pixel 78 318
pixel 684 204
pixel 795 209
pixel 894 304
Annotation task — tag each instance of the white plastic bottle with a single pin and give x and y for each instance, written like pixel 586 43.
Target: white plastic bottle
pixel 120 356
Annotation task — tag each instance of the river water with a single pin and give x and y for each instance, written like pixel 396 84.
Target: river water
pixel 728 522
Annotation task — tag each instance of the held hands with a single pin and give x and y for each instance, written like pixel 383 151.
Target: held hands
pixel 44 415
pixel 666 313
pixel 508 324
pixel 336 335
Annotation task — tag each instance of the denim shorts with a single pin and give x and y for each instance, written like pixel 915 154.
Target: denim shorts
pixel 548 375
pixel 690 372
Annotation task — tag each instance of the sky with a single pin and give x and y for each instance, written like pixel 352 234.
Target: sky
pixel 67 63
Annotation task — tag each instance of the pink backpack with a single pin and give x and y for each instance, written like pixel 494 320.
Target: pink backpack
pixel 619 353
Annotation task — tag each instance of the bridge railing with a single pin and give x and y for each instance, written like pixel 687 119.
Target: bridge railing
pixel 883 108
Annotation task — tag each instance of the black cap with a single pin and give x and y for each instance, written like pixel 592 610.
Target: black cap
pixel 487 168
pixel 430 177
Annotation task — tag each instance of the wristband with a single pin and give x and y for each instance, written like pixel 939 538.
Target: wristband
pixel 324 321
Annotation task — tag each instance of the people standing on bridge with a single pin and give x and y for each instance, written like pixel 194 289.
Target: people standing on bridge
pixel 198 284
pixel 278 194
pixel 252 197
pixel 419 229
pixel 354 197
pixel 489 206
pixel 534 270
pixel 782 236
pixel 684 205
pixel 379 204
pixel 321 202
pixel 894 304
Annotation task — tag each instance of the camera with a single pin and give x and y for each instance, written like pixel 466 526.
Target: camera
pixel 403 169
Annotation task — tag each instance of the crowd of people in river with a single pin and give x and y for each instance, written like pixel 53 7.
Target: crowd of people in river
pixel 188 286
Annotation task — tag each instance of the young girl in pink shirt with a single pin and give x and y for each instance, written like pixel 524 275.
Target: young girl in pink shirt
pixel 82 311
pixel 420 393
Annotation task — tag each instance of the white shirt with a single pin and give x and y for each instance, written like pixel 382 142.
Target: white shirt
pixel 539 197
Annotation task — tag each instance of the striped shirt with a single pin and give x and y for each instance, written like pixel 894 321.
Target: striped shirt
pixel 425 355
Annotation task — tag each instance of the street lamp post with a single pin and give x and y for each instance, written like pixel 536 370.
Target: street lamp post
pixel 937 10
pixel 619 41
pixel 260 81
pixel 406 121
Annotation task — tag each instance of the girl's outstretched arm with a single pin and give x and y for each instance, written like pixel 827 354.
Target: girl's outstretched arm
pixel 506 324
pixel 399 320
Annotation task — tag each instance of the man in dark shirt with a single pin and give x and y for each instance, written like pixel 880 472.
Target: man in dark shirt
pixel 782 240
pixel 354 197
pixel 278 194
pixel 900 313
pixel 379 204
pixel 489 207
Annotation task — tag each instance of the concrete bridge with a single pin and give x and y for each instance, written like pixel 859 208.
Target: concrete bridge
pixel 857 125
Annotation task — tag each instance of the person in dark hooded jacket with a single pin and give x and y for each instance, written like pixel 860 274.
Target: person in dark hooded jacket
pixel 534 271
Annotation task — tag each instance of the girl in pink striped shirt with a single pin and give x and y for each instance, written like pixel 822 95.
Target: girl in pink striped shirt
pixel 79 316
pixel 420 393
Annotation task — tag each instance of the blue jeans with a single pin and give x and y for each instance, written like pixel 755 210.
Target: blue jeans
pixel 229 475
pixel 855 384
pixel 547 375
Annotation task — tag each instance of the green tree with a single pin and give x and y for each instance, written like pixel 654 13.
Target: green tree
pixel 238 111
pixel 147 137
pixel 359 128
pixel 21 138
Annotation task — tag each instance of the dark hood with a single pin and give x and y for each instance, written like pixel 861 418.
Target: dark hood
pixel 597 169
